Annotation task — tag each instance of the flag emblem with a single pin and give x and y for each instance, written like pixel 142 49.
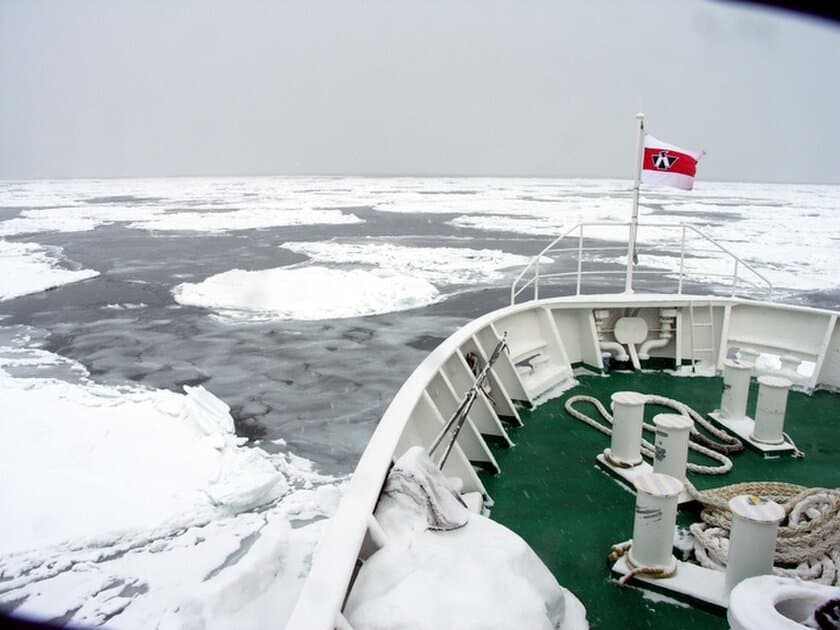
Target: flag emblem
pixel 662 161
pixel 665 164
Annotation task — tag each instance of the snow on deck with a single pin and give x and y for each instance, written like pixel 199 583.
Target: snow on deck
pixel 443 567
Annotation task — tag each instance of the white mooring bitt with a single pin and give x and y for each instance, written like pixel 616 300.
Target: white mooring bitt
pixel 770 409
pixel 736 388
pixel 672 433
pixel 653 527
pixel 628 416
pixel 752 540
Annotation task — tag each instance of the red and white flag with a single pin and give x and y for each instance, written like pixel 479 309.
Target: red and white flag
pixel 664 164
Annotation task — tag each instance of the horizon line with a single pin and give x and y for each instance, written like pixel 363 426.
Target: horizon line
pixel 390 176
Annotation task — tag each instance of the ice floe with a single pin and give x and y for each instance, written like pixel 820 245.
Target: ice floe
pixel 83 219
pixel 307 293
pixel 792 228
pixel 787 232
pixel 393 278
pixel 247 219
pixel 438 265
pixel 69 219
pixel 31 268
pixel 508 201
pixel 119 460
pixel 236 571
pixel 128 306
pixel 130 506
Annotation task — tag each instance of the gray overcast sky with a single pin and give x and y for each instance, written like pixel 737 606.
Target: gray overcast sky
pixel 111 88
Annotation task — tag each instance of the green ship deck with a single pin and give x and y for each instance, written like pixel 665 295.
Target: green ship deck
pixel 570 511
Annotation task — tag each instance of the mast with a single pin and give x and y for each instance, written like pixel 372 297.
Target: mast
pixel 634 221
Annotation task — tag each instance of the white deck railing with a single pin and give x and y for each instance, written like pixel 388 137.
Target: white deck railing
pixel 743 277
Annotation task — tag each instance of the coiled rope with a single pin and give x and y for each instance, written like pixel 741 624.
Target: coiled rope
pixel 697 441
pixel 807 543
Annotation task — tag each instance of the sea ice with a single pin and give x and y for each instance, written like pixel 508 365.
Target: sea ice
pixel 69 219
pixel 307 293
pixel 31 268
pixel 787 232
pixel 240 571
pixel 246 219
pixel 438 265
pixel 117 460
pixel 85 218
pixel 130 506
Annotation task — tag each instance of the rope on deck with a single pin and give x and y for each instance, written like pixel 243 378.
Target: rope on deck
pixel 807 544
pixel 622 550
pixel 697 442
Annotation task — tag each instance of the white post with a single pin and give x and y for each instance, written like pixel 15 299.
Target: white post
pixel 653 527
pixel 580 257
pixel 752 539
pixel 631 245
pixel 734 278
pixel 628 418
pixel 682 261
pixel 770 409
pixel 672 433
pixel 736 389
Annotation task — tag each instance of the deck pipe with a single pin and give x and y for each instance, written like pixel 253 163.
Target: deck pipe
pixel 667 323
pixel 655 519
pixel 752 540
pixel 616 350
pixel 770 409
pixel 628 417
pixel 672 433
pixel 736 388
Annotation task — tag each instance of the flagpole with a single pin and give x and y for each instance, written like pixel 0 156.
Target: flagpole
pixel 634 221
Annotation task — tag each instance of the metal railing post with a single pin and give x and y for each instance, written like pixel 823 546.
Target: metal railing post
pixel 734 279
pixel 519 285
pixel 580 257
pixel 682 261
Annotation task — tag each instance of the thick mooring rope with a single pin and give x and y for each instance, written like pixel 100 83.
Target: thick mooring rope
pixel 808 541
pixel 697 441
pixel 621 550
